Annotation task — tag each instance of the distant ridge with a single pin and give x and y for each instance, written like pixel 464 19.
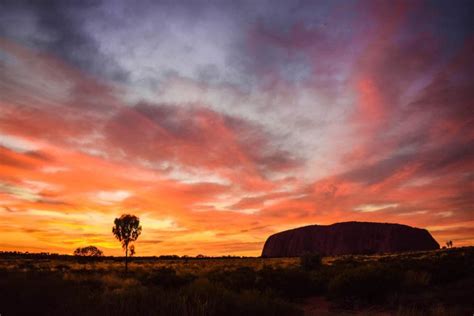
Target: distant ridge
pixel 348 238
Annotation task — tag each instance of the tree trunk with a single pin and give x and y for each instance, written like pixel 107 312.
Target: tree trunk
pixel 126 259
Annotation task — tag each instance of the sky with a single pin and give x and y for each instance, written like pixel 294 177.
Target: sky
pixel 219 123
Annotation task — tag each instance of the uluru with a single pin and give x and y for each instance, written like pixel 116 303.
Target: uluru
pixel 348 238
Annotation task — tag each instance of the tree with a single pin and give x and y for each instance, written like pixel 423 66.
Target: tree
pixel 449 244
pixel 127 229
pixel 89 251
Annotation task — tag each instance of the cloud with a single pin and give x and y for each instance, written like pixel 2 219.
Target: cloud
pixel 166 224
pixel 198 138
pixel 16 144
pixel 374 207
pixel 58 27
pixel 54 169
pixel 20 192
pixel 111 197
pixel 11 159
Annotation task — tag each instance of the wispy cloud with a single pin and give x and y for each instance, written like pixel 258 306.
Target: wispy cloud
pixel 110 197
pixel 367 208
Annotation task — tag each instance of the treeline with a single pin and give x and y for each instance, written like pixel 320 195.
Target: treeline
pixel 49 255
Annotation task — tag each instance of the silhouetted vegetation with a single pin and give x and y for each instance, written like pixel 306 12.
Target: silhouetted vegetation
pixel 127 229
pixel 89 251
pixel 310 261
pixel 168 278
pixel 420 283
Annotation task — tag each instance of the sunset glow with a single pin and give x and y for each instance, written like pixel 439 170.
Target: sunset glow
pixel 221 124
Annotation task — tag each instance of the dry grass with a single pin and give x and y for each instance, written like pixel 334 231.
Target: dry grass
pixel 421 283
pixel 182 266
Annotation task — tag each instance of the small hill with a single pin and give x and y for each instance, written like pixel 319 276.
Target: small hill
pixel 348 238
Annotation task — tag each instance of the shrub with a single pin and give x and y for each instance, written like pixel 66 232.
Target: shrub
pixel 286 282
pixel 167 278
pixel 416 280
pixel 89 251
pixel 310 261
pixel 206 298
pixel 365 284
pixel 242 278
pixel 319 281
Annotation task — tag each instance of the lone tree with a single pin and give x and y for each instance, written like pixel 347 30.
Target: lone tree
pixel 89 251
pixel 127 229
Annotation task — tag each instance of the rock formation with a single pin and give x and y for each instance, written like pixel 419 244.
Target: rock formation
pixel 348 238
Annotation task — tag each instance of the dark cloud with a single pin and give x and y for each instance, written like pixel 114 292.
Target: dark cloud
pixel 57 27
pixel 419 98
pixel 248 203
pixel 40 155
pixel 8 158
pixel 428 162
pixel 255 228
pixel 461 201
pixel 6 208
pixel 451 155
pixel 196 136
pixel 378 171
pixel 53 202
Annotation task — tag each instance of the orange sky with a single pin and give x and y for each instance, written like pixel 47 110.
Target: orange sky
pixel 383 133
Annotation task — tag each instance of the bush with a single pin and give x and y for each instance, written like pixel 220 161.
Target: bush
pixel 48 293
pixel 365 284
pixel 89 251
pixel 167 278
pixel 242 278
pixel 286 282
pixel 205 298
pixel 310 261
pixel 416 280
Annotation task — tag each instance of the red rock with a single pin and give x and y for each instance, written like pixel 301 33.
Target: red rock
pixel 348 238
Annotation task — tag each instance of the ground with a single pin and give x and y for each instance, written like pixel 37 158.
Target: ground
pixel 420 283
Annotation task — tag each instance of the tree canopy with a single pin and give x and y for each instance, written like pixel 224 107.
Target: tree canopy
pixel 127 229
pixel 89 251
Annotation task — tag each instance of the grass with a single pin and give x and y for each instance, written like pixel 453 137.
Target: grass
pixel 420 283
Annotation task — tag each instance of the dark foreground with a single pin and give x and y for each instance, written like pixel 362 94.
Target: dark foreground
pixel 424 283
